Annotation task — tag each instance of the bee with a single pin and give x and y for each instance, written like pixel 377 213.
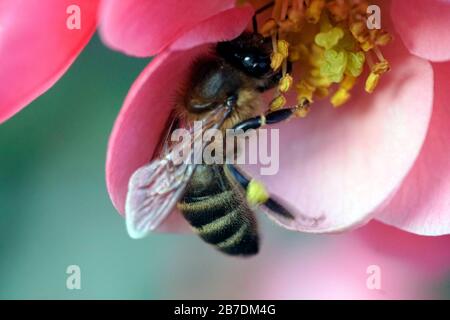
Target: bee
pixel 223 92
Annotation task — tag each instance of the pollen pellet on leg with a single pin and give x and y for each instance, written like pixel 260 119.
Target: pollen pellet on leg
pixel 256 193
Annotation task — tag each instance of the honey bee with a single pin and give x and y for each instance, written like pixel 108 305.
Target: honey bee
pixel 223 92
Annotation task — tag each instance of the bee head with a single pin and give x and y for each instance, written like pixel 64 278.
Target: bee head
pixel 250 53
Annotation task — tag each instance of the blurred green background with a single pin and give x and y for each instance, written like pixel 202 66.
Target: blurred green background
pixel 55 210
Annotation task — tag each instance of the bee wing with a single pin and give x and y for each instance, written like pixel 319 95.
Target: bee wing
pixel 155 188
pixel 153 192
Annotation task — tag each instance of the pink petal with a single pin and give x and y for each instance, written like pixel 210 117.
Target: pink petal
pixel 142 120
pixel 429 253
pixel 217 28
pixel 338 166
pixel 423 27
pixel 342 268
pixel 144 28
pixel 36 47
pixel 422 204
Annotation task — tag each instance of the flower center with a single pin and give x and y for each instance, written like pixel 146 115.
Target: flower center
pixel 331 42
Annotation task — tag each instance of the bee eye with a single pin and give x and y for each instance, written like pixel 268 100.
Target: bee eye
pixel 252 60
pixel 256 65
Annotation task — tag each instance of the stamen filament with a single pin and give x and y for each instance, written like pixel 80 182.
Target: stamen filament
pixel 378 53
pixel 284 10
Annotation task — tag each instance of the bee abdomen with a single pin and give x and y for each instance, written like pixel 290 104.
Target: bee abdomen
pixel 202 210
pixel 223 222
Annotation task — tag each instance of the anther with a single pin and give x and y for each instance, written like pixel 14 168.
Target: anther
pixel 278 103
pixel 302 110
pixel 314 11
pixel 372 82
pixel 285 83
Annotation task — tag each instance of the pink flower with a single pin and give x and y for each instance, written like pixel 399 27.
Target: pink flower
pixel 373 262
pixel 382 156
pixel 391 264
pixel 430 255
pixel 37 47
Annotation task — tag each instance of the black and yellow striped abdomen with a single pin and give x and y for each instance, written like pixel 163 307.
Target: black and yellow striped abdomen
pixel 219 213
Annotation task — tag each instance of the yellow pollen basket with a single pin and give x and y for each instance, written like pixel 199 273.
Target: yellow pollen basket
pixel 256 193
pixel 329 43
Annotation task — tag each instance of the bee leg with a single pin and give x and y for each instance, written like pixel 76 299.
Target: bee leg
pixel 269 118
pixel 271 204
pixel 260 10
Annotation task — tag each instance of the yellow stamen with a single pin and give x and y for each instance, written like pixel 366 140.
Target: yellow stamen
pixel 335 65
pixel 300 51
pixel 359 31
pixel 276 12
pixel 295 15
pixel 330 42
pixel 329 39
pixel 383 39
pixel 269 28
pixel 322 92
pixel 355 63
pixel 285 83
pixel 372 82
pixel 314 11
pixel 294 55
pixel 302 110
pixel 278 103
pixel 340 97
pixel 305 92
pixel 284 9
pixel 378 54
pixel 284 67
pixel 283 48
pixel 276 60
pixel 348 83
pixel 339 10
pixel 381 67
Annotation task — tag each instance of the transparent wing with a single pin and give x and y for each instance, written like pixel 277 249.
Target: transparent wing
pixel 154 189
